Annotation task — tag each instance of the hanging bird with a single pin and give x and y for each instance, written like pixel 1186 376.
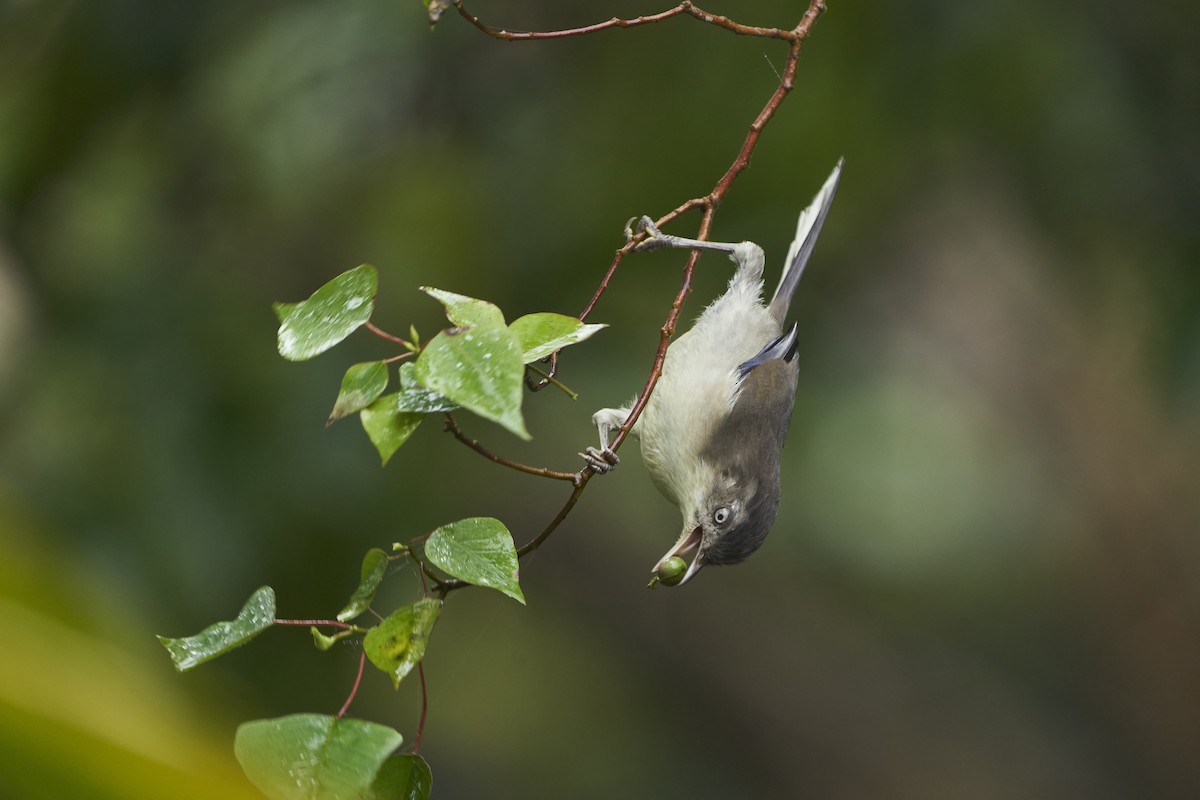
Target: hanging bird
pixel 713 430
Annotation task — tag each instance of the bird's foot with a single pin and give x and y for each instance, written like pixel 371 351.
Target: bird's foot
pixel 602 461
pixel 655 239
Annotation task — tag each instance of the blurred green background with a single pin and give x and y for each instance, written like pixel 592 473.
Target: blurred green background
pixel 983 582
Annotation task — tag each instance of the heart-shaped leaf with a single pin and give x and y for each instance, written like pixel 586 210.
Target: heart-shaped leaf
pixel 541 334
pixel 313 756
pixel 387 426
pixel 397 644
pixel 331 314
pixel 361 385
pixel 478 550
pixel 479 368
pixel 256 616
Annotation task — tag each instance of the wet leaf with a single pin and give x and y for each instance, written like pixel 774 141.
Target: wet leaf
pixel 314 756
pixel 423 401
pixel 256 616
pixel 397 644
pixel 466 311
pixel 479 368
pixel 478 550
pixel 361 385
pixel 416 398
pixel 541 334
pixel 331 314
pixel 387 426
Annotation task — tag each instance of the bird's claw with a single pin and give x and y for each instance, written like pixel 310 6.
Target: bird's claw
pixel 654 237
pixel 601 461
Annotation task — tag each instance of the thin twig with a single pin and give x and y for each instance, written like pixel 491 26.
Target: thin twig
pixel 548 379
pixel 318 623
pixel 424 709
pixel 362 662
pixel 382 334
pixel 452 427
pixel 684 8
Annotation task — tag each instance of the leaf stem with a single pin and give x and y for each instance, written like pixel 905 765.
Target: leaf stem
pixel 548 378
pixel 318 623
pixel 424 709
pixel 382 334
pixel 362 662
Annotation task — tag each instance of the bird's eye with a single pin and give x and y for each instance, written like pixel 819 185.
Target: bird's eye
pixel 721 515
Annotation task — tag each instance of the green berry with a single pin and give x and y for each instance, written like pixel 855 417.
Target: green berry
pixel 671 571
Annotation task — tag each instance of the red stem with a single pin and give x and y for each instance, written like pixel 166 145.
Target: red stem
pixel 362 662
pixel 382 334
pixel 424 709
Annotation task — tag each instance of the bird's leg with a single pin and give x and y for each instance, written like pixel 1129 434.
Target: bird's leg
pixel 657 240
pixel 747 255
pixel 602 459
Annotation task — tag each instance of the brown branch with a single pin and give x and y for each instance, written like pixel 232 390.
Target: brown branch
pixel 452 427
pixel 382 334
pixel 684 8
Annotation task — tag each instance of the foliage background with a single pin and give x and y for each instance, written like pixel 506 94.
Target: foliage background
pixel 984 579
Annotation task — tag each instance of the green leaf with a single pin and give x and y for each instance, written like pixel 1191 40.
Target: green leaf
pixel 374 566
pixel 397 644
pixel 541 334
pixel 466 311
pixel 404 776
pixel 387 426
pixel 324 642
pixel 313 756
pixel 361 385
pixel 407 379
pixel 478 550
pixel 217 639
pixel 479 368
pixel 331 314
pixel 416 398
pixel 423 401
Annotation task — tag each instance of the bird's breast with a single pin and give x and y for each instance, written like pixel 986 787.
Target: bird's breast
pixel 695 392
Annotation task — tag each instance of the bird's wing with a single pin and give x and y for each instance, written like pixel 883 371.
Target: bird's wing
pixel 783 347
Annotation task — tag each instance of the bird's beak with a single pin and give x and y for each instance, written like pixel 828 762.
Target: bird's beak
pixel 688 541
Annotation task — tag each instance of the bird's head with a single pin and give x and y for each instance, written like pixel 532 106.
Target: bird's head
pixel 725 522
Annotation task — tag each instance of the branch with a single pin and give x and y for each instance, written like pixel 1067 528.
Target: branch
pixel 362 662
pixel 452 427
pixel 684 8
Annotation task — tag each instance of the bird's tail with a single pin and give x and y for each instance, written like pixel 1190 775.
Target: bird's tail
pixel 808 228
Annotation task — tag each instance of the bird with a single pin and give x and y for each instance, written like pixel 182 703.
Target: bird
pixel 712 432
